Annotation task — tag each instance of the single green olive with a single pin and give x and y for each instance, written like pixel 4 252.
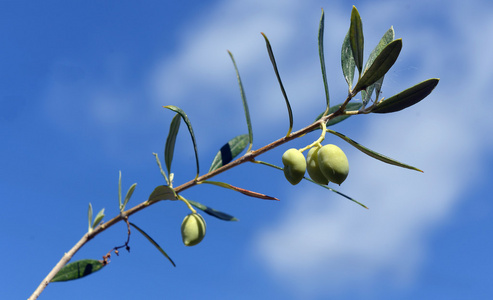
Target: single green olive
pixel 333 163
pixel 193 229
pixel 294 165
pixel 313 168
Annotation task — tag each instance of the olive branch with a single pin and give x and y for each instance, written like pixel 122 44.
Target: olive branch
pixel 368 84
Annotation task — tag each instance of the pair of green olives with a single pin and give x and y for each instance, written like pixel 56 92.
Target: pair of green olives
pixel 324 164
pixel 193 229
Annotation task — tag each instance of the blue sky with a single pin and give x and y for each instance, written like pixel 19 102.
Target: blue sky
pixel 82 88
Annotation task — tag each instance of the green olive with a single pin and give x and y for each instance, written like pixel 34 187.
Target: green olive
pixel 333 163
pixel 294 165
pixel 313 168
pixel 193 229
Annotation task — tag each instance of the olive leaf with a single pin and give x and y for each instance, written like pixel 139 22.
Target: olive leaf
pixel 98 218
pixel 89 217
pixel 151 240
pixel 169 148
pixel 229 151
pixel 158 161
pixel 322 58
pixel 162 192
pixel 78 269
pixel 366 94
pixel 243 191
pixel 407 97
pixel 128 196
pixel 335 191
pixel 347 61
pixel 372 153
pixel 356 38
pixel 120 189
pixel 384 41
pixel 210 211
pixel 273 61
pixel 245 105
pixel 190 129
pixel 382 64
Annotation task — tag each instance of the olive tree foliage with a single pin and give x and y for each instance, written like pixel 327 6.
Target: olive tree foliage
pixel 326 164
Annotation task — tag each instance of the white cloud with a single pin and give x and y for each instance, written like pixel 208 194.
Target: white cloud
pixel 201 66
pixel 201 59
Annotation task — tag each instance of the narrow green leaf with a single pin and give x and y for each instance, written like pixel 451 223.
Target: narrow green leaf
pixel 169 149
pixel 356 38
pixel 128 196
pixel 162 192
pixel 273 60
pixel 237 189
pixel 161 169
pixel 337 192
pixel 382 64
pixel 119 188
pixel 245 105
pixel 350 106
pixel 154 243
pixel 190 129
pixel 384 41
pixel 366 94
pixel 89 217
pixel 322 57
pixel 78 269
pixel 324 186
pixel 407 97
pixel 229 151
pixel 98 218
pixel 378 88
pixel 372 153
pixel 210 211
pixel 347 61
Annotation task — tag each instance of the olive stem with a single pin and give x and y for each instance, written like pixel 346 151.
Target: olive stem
pixel 319 140
pixel 267 164
pixel 180 197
